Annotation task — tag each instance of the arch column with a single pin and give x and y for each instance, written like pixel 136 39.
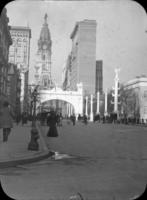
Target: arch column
pixel 86 108
pixel 91 108
pixel 68 109
pixel 98 103
pixel 106 103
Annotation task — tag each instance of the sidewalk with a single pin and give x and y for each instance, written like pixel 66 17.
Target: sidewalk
pixel 15 151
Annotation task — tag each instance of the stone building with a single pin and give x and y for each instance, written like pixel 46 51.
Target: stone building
pixel 83 56
pixel 137 97
pixel 19 54
pixel 5 42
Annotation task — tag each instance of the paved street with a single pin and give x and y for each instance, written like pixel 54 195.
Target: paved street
pixel 107 162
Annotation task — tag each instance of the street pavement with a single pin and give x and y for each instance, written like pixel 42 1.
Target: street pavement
pixel 100 161
pixel 15 150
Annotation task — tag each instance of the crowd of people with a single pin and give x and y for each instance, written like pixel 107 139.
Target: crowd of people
pixel 54 119
pixel 118 119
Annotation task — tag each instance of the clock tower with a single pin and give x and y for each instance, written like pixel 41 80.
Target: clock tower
pixel 43 58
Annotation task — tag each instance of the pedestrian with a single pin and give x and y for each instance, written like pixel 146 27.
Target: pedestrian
pixel 18 118
pixel 6 121
pixel 51 122
pixel 79 117
pixel 24 118
pixel 85 119
pixel 73 119
pixel 60 119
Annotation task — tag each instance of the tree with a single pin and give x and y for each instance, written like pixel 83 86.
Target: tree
pixel 129 102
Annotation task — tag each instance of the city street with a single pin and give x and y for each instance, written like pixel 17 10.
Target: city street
pixel 100 161
pixel 60 62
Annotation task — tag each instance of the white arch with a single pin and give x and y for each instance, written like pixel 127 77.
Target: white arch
pixel 75 98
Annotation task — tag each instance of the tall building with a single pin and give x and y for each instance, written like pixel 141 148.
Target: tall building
pixel 5 42
pixel 99 77
pixel 66 74
pixel 83 55
pixel 19 54
pixel 43 58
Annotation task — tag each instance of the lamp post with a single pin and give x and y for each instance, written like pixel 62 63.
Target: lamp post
pixel 34 98
pixel 33 144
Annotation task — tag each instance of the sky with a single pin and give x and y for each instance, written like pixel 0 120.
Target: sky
pixel 121 37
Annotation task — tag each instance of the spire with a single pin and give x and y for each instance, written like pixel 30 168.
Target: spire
pixel 45 18
pixel 45 35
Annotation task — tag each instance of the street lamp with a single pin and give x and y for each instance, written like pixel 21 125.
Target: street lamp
pixel 33 144
pixel 34 100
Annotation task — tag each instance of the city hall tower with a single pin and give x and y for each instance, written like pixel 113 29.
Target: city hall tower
pixel 43 58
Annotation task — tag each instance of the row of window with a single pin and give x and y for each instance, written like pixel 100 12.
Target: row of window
pixel 19 34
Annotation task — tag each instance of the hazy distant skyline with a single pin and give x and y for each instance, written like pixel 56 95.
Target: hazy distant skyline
pixel 121 36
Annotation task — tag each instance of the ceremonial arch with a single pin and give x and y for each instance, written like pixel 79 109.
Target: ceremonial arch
pixel 75 98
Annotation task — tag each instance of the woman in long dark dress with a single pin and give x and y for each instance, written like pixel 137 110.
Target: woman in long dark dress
pixel 52 121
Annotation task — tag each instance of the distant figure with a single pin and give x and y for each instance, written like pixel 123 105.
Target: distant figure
pixel 6 121
pixel 85 119
pixel 43 118
pixel 24 118
pixel 97 118
pixel 51 122
pixel 79 117
pixel 73 119
pixel 59 119
pixel 18 118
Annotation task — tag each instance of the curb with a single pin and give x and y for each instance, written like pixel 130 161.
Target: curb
pixel 13 163
pixel 29 159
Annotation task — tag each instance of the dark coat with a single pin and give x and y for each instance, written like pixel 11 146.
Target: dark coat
pixel 6 120
pixel 52 121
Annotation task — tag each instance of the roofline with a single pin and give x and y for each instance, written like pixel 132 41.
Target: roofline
pixel 136 81
pixel 74 30
pixel 80 22
pixel 21 28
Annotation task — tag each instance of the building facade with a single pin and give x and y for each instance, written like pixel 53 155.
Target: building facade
pixel 99 77
pixel 19 54
pixel 5 42
pixel 66 74
pixel 137 98
pixel 43 58
pixel 83 56
pixel 14 89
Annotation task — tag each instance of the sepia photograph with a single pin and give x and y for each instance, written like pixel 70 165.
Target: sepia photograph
pixel 73 100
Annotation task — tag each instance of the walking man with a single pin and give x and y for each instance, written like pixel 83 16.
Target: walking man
pixel 6 121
